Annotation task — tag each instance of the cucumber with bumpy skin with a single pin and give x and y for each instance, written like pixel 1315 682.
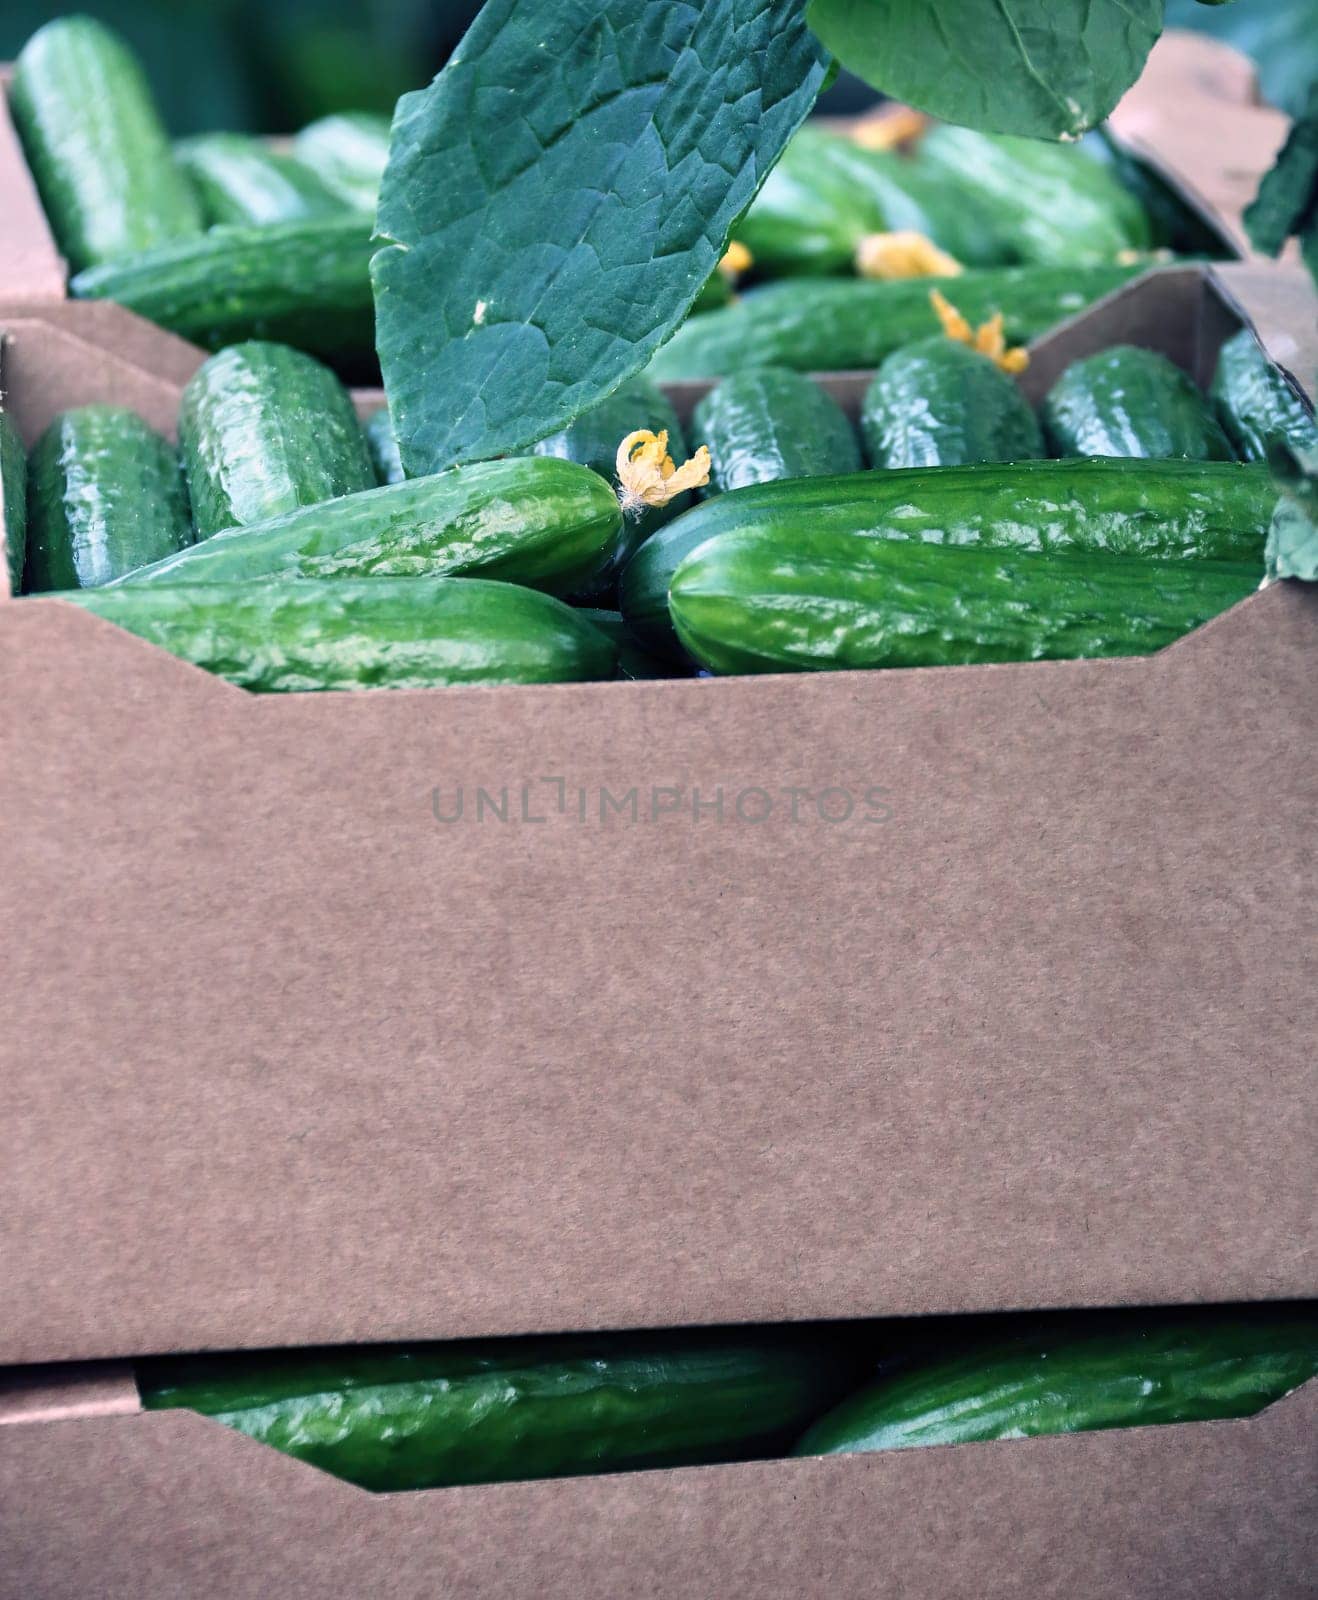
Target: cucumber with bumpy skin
pixel 1072 1381
pixel 1127 401
pixel 96 146
pixel 938 403
pixel 1052 202
pixel 303 283
pixel 503 1410
pixel 105 496
pixel 549 524
pixel 265 429
pixel 1175 510
pixel 771 423
pixel 835 324
pixel 13 500
pixel 382 442
pixel 1255 404
pixel 348 152
pixel 286 636
pixel 240 179
pixel 772 600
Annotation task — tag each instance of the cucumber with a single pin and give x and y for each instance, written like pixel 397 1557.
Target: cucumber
pixel 13 500
pixel 1052 202
pixel 592 439
pixel 241 179
pixel 264 430
pixel 1175 510
pixel 96 146
pixel 827 193
pixel 549 524
pixel 302 283
pixel 767 599
pixel 1255 403
pixel 771 423
pixel 1131 402
pixel 382 443
pixel 1170 1369
pixel 491 1412
pixel 285 636
pixel 105 495
pixel 348 152
pixel 853 323
pixel 633 662
pixel 938 403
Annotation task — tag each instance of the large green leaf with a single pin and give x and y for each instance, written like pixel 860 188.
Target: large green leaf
pixel 1050 68
pixel 555 200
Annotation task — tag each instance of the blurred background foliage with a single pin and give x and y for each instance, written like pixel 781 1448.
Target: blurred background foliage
pixel 272 65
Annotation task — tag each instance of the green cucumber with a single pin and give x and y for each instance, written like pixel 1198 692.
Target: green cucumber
pixel 382 442
pixel 240 179
pixel 938 403
pixel 1175 510
pixel 96 146
pixel 265 429
pixel 826 194
pixel 348 152
pixel 550 524
pixel 491 1412
pixel 1127 401
pixel 771 423
pixel 285 636
pixel 13 500
pixel 1169 1369
pixel 302 283
pixel 633 662
pixel 1255 403
pixel 105 496
pixel 831 324
pixel 1052 202
pixel 592 439
pixel 770 600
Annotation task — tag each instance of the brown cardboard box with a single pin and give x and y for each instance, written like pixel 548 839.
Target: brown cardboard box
pixel 290 1060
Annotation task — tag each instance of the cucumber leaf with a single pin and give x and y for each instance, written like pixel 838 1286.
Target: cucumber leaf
pixel 1287 201
pixel 556 198
pixel 1050 68
pixel 1292 550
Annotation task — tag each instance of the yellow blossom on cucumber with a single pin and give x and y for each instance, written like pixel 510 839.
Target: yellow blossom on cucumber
pixel 890 130
pixel 647 476
pixel 989 338
pixel 903 255
pixel 735 260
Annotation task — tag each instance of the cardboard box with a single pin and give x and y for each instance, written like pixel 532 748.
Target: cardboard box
pixel 291 1059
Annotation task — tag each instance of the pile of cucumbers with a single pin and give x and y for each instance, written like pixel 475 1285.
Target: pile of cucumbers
pixel 433 1416
pixel 225 237
pixel 281 546
pixel 221 237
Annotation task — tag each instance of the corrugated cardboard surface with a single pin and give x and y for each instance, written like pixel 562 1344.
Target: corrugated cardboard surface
pixel 291 1060
pixel 168 1505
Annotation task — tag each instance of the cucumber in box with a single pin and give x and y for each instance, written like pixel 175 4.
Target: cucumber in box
pixel 13 499
pixel 772 423
pixel 241 179
pixel 96 146
pixel 1131 402
pixel 264 430
pixel 938 403
pixel 105 496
